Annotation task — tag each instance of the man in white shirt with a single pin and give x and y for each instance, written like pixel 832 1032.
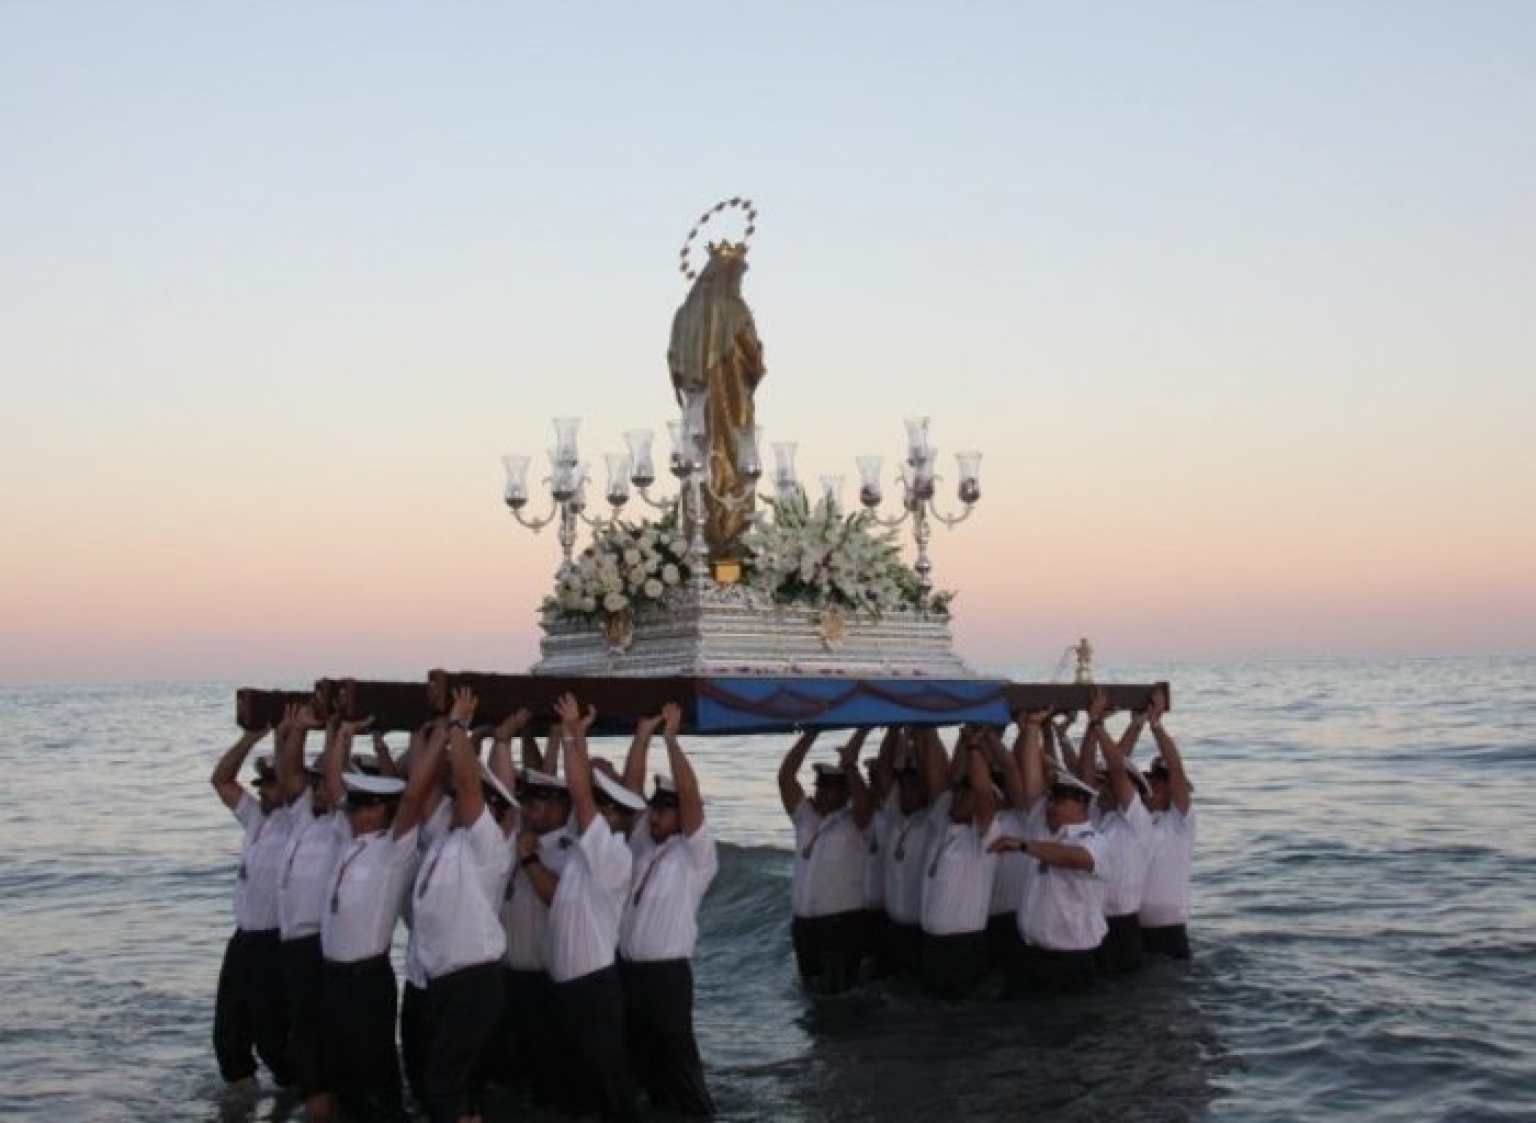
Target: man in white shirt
pixel 249 1010
pixel 1061 916
pixel 959 868
pixel 916 774
pixel 1121 818
pixel 675 862
pixel 460 943
pixel 318 830
pixel 584 921
pixel 1004 943
pixel 1165 895
pixel 364 892
pixel 828 886
pixel 531 1057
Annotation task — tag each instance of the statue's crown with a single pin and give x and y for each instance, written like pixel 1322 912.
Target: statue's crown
pixel 725 248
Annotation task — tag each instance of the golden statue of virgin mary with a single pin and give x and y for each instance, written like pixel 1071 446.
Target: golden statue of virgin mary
pixel 715 355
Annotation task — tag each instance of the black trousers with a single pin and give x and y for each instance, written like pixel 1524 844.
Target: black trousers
pixel 1120 951
pixel 1003 940
pixel 524 1054
pixel 1039 972
pixel 953 966
pixel 658 1025
pixel 459 1014
pixel 357 1007
pixel 249 1011
pixel 589 1012
pixel 1171 940
pixel 413 1039
pixel 900 949
pixel 827 950
pixel 302 971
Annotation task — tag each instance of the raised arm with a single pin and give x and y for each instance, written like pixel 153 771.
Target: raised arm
pixel 500 761
pixel 333 760
pixel 1179 791
pixel 578 769
pixel 790 791
pixel 289 745
pixel 1032 755
pixel 1114 763
pixel 542 760
pixel 639 749
pixel 226 773
pixel 468 799
pixel 690 801
pixel 1057 732
pixel 423 782
pixel 1098 710
pixel 884 778
pixel 932 763
pixel 860 799
pixel 1000 758
pixel 981 781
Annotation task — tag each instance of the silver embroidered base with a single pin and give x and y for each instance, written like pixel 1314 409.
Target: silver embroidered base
pixel 734 630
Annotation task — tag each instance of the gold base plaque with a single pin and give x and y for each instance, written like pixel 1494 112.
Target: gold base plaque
pixel 727 572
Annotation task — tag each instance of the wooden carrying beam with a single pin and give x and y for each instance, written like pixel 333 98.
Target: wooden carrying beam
pixel 263 709
pixel 620 702
pixel 1064 696
pixel 711 706
pixel 393 706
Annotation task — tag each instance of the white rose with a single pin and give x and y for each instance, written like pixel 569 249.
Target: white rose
pixel 615 602
pixel 670 574
pixel 653 588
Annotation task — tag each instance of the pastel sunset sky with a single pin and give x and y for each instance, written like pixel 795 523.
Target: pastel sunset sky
pixel 1236 301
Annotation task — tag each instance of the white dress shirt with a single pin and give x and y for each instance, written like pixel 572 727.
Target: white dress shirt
pixel 308 855
pixel 457 896
pixel 434 827
pixel 829 862
pixel 366 889
pixel 261 861
pixel 1127 832
pixel 957 874
pixel 1063 909
pixel 661 911
pixel 589 903
pixel 874 862
pixel 524 915
pixel 905 845
pixel 1008 882
pixel 1165 893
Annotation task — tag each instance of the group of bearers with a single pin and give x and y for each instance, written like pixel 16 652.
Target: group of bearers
pixel 553 910
pixel 552 914
pixel 1045 865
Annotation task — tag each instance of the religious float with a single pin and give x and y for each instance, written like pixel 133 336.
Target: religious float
pixel 754 612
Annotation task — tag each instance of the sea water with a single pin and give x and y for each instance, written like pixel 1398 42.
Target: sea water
pixel 1364 921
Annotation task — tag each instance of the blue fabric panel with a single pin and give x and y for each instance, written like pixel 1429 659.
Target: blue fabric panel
pixel 758 704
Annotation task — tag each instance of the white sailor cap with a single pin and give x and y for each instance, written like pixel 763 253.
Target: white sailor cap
pixel 1070 785
pixel 533 784
pixel 363 789
pixel 494 786
pixel 364 762
pixel 616 792
pixel 1131 773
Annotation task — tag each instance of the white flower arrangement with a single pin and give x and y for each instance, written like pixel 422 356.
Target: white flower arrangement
pixel 819 557
pixel 803 555
pixel 625 568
